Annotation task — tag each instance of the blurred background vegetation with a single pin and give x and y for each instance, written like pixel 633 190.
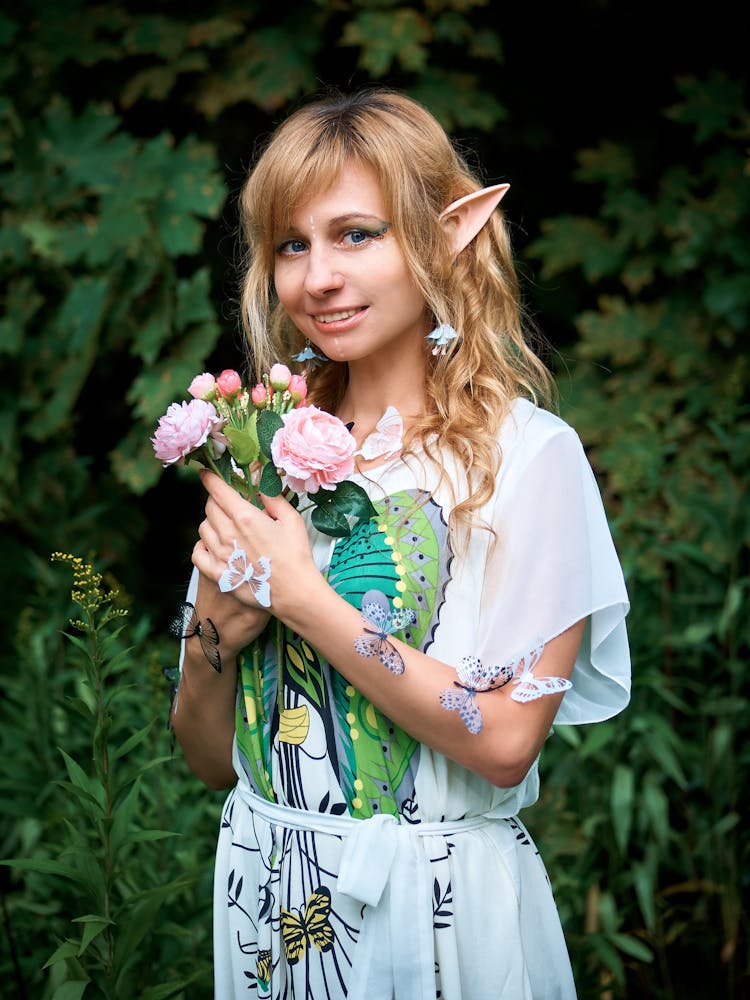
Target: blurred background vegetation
pixel 125 133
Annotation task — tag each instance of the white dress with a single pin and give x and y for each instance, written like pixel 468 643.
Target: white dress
pixel 355 862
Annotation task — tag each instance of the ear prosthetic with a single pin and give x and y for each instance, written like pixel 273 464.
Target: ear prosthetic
pixel 464 218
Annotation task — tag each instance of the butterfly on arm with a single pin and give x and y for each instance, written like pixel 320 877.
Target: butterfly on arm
pixel 474 679
pixel 381 622
pixel 185 624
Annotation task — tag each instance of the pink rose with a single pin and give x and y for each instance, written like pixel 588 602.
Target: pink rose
pixel 184 428
pixel 258 395
pixel 313 449
pixel 229 383
pixel 279 376
pixel 297 388
pixel 203 386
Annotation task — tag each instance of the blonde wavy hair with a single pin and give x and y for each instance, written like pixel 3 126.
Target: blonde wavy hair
pixel 470 388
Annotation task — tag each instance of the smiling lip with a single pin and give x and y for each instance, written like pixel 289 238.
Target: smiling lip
pixel 339 320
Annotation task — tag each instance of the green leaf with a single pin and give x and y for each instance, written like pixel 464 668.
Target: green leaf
pixel 90 787
pixel 132 741
pixel 270 481
pixel 72 990
pixel 622 798
pixel 66 950
pixel 243 442
pixel 330 522
pixel 632 946
pixel 348 498
pixel 94 925
pixel 268 423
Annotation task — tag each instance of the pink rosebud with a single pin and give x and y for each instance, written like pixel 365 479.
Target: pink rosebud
pixel 229 383
pixel 313 449
pixel 298 388
pixel 258 395
pixel 203 386
pixel 279 376
pixel 184 428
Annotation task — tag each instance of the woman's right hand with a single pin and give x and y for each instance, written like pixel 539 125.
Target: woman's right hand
pixel 236 622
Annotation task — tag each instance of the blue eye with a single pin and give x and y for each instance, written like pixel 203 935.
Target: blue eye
pixel 291 247
pixel 356 237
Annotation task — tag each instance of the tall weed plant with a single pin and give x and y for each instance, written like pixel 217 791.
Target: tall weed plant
pixel 105 899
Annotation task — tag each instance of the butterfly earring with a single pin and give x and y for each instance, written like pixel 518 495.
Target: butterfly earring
pixel 440 337
pixel 309 354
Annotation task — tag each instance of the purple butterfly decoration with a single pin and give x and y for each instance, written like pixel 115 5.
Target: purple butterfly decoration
pixel 473 679
pixel 382 621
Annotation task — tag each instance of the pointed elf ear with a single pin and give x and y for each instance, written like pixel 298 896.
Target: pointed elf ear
pixel 463 218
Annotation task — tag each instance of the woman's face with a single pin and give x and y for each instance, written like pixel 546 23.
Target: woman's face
pixel 342 278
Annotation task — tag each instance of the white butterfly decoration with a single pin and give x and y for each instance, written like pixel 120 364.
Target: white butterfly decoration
pixel 474 679
pixel 240 571
pixel 377 613
pixel 529 687
pixel 387 437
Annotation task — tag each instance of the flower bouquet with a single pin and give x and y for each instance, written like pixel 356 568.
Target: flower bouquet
pixel 267 440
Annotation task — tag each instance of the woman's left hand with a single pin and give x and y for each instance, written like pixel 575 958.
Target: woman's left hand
pixel 277 533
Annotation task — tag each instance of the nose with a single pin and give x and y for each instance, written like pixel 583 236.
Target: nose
pixel 322 276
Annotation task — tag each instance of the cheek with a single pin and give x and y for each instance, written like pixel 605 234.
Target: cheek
pixel 284 284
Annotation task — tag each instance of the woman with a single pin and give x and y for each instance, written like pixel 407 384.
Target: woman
pixel 370 847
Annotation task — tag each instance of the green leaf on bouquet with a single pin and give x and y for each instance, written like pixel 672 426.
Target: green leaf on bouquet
pixel 243 442
pixel 268 423
pixel 350 498
pixel 330 521
pixel 270 481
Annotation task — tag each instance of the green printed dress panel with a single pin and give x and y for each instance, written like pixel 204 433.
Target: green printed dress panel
pixel 320 745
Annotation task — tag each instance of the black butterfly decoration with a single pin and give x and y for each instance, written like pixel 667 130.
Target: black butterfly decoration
pixel 186 623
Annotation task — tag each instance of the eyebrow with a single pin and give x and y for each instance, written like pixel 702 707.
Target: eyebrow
pixel 341 220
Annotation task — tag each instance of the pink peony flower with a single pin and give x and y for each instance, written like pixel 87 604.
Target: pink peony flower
pixel 203 386
pixel 279 376
pixel 184 428
pixel 313 449
pixel 297 388
pixel 229 383
pixel 258 395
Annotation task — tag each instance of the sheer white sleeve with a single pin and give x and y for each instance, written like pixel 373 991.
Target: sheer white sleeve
pixel 554 563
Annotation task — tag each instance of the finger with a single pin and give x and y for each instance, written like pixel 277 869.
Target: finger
pixel 225 496
pixel 210 538
pixel 219 519
pixel 277 507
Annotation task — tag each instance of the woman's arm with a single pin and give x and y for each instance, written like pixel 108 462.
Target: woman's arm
pixel 512 733
pixel 203 714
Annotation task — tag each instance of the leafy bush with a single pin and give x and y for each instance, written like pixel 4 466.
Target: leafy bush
pixel 653 850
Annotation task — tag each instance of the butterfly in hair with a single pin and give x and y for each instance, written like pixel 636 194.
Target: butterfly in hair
pixel 381 622
pixel 299 929
pixel 185 624
pixel 240 570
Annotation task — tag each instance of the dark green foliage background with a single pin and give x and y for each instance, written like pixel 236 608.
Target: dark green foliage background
pixel 125 133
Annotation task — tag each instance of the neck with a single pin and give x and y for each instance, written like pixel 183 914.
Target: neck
pixel 376 383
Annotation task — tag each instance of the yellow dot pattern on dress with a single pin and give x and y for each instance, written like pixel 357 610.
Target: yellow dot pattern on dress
pixel 350 718
pixel 350 690
pixel 357 802
pixel 354 733
pixel 359 784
